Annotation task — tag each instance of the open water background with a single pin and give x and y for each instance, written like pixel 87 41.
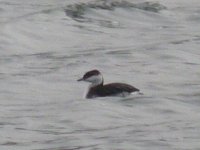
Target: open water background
pixel 46 45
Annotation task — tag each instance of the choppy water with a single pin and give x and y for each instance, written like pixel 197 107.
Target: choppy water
pixel 46 45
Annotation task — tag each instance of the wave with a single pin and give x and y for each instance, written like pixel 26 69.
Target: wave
pixel 77 11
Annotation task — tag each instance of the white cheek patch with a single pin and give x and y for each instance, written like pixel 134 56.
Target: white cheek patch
pixel 97 79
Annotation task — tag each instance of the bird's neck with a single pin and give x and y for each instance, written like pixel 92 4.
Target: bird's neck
pixel 93 88
pixel 95 84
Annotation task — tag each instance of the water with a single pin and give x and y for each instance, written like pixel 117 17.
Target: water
pixel 46 45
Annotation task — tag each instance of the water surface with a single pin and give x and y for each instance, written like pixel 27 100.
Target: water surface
pixel 45 46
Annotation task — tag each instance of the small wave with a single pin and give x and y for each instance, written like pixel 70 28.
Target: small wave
pixel 10 143
pixel 77 11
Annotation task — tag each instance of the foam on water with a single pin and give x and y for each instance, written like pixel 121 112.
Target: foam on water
pixel 45 46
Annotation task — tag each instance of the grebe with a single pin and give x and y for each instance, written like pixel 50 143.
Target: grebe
pixel 98 89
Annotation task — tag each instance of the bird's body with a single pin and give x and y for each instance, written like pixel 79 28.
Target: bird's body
pixel 98 89
pixel 112 89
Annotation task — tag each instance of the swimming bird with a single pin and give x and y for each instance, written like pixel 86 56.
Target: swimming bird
pixel 98 89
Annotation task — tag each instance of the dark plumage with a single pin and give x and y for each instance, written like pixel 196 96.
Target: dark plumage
pixel 111 89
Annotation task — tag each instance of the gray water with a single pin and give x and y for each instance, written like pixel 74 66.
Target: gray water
pixel 46 45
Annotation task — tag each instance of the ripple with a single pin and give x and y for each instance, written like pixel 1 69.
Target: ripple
pixel 78 11
pixel 10 143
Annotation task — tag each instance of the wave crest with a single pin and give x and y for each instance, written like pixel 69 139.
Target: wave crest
pixel 78 10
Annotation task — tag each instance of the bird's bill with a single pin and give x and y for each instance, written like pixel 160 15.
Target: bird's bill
pixel 81 79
